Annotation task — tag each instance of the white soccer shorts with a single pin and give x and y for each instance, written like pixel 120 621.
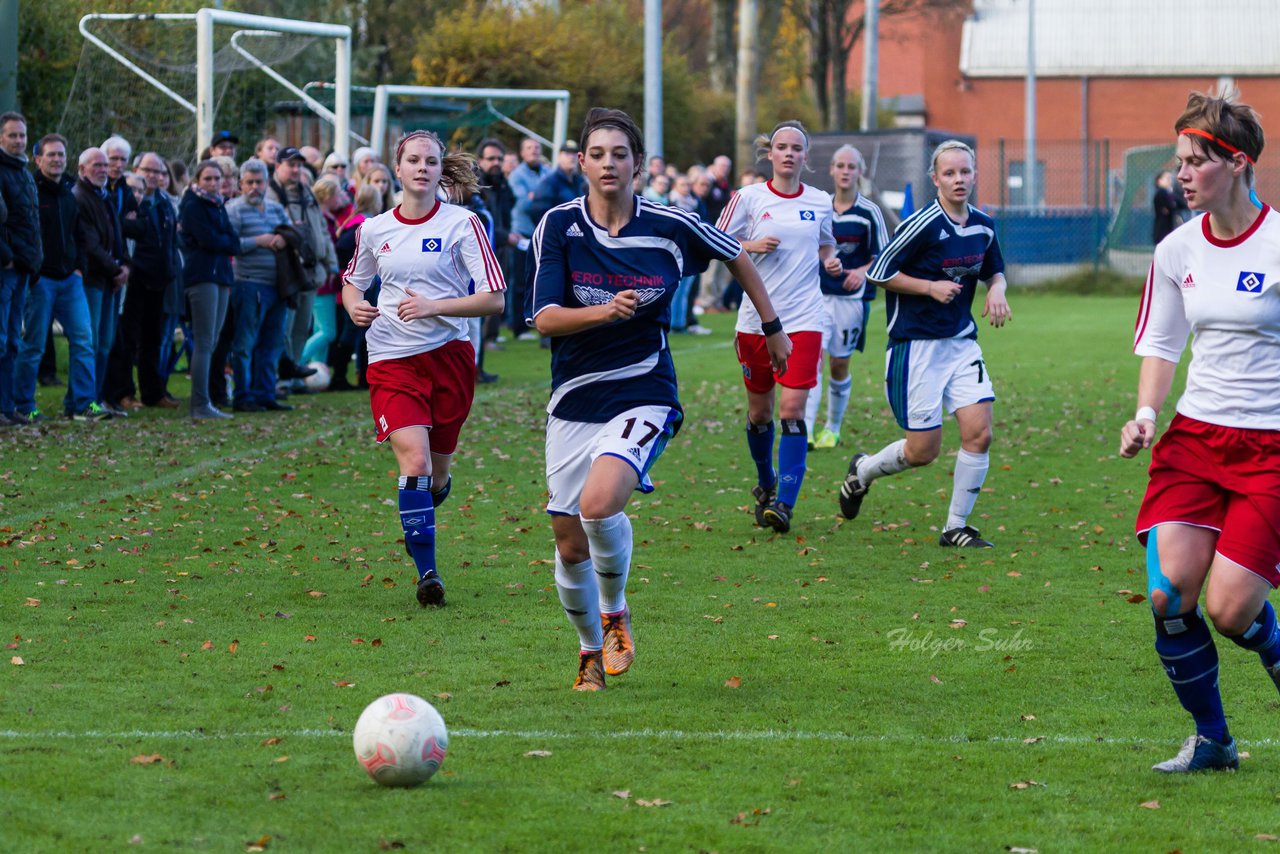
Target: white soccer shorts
pixel 923 377
pixel 639 436
pixel 846 326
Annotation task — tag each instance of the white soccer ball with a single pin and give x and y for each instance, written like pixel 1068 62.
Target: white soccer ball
pixel 400 740
pixel 319 381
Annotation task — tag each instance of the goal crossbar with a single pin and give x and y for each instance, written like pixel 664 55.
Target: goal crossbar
pixel 382 102
pixel 206 20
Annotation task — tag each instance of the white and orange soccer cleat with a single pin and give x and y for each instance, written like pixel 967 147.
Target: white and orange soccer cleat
pixel 619 645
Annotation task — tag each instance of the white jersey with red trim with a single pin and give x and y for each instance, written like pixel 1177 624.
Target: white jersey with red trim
pixel 445 254
pixel 802 224
pixel 1226 296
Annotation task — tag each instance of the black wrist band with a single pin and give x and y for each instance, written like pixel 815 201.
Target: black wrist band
pixel 771 327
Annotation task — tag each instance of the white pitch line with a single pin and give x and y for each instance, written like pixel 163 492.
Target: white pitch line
pixel 667 735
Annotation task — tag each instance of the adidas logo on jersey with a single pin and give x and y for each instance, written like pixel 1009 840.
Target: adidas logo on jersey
pixel 386 247
pixel 573 230
pixel 943 234
pixel 1188 282
pixel 767 215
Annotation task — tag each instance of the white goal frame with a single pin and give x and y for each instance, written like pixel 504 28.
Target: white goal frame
pixel 382 102
pixel 206 20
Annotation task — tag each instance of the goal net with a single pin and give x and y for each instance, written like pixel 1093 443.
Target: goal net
pixel 139 76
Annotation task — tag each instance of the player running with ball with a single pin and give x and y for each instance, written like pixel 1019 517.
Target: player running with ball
pixel 437 269
pixel 606 268
pixel 1212 508
pixel 930 274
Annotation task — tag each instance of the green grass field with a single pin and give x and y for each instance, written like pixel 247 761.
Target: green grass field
pixel 195 616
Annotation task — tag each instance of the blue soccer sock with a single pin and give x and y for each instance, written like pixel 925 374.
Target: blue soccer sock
pixel 1190 660
pixel 418 519
pixel 793 450
pixel 760 443
pixel 1263 637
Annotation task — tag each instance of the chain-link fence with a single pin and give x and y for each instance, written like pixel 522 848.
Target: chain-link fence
pixel 1088 203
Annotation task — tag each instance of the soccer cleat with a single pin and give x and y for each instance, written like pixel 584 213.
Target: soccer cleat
pixel 431 589
pixel 777 515
pixel 764 497
pixel 35 416
pixel 826 439
pixel 619 646
pixel 590 672
pixel 1274 673
pixel 92 412
pixel 852 490
pixel 964 538
pixel 1199 753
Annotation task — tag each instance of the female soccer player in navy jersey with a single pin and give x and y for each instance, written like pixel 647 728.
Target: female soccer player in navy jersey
pixel 786 226
pixel 606 266
pixel 930 273
pixel 1212 507
pixel 858 227
pixel 421 366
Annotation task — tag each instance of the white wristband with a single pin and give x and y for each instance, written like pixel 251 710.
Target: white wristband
pixel 1145 413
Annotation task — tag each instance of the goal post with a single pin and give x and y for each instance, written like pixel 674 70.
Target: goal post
pixel 205 99
pixel 382 104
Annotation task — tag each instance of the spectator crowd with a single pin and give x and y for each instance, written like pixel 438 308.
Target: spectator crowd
pixel 231 270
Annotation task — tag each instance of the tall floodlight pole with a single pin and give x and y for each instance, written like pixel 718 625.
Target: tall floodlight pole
pixel 653 77
pixel 748 80
pixel 1029 169
pixel 870 66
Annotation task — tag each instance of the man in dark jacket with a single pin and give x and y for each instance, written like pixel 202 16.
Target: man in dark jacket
pixel 499 200
pixel 20 251
pixel 106 267
pixel 58 292
pixel 156 264
pixel 562 184
pixel 119 194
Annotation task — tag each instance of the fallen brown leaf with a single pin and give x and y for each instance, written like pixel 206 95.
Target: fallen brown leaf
pixel 1024 784
pixel 622 793
pixel 17 661
pixel 1150 805
pixel 147 759
pixel 656 802
pixel 733 682
pixel 259 844
pixel 269 742
pixel 538 753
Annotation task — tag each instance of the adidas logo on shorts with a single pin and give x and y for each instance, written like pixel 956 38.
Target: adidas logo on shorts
pixel 635 452
pixel 573 230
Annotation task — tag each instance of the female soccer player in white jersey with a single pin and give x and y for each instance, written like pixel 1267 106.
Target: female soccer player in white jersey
pixel 1212 507
pixel 786 226
pixel 858 227
pixel 421 366
pixel 606 266
pixel 930 273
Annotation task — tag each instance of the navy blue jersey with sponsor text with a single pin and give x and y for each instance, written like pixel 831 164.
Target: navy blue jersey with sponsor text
pixel 860 237
pixel 601 372
pixel 929 245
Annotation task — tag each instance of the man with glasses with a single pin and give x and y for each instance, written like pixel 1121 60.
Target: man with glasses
pixel 156 264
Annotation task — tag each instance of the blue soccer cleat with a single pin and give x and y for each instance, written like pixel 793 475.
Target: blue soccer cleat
pixel 1199 753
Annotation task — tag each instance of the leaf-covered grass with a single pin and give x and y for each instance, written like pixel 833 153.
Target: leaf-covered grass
pixel 220 601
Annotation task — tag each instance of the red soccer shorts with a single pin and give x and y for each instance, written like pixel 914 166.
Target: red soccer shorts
pixel 432 390
pixel 802 367
pixel 1224 478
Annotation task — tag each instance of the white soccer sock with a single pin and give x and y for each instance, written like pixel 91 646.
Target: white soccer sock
pixel 837 403
pixel 576 584
pixel 811 407
pixel 610 542
pixel 971 471
pixel 890 460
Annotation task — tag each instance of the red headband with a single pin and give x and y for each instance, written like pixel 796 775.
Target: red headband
pixel 1223 144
